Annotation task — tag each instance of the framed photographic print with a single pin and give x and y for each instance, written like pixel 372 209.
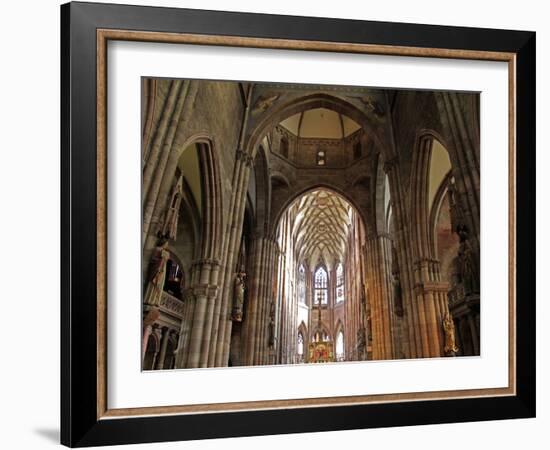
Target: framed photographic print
pixel 276 224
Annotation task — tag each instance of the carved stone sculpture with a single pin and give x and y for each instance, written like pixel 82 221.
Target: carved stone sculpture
pixel 372 105
pixel 397 295
pixel 170 227
pixel 467 264
pixel 157 275
pixel 238 296
pixel 469 272
pixel 264 103
pixel 449 328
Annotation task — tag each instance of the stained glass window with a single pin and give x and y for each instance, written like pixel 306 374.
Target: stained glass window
pixel 321 283
pixel 340 346
pixel 300 345
pixel 339 283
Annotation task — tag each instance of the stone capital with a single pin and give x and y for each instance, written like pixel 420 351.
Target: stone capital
pixel 246 158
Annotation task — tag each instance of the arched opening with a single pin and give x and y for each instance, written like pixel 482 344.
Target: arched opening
pixel 300 347
pixel 339 346
pixel 320 293
pixel 318 115
pixel 170 357
pixel 188 243
pixel 322 236
pixel 151 351
pixel 340 283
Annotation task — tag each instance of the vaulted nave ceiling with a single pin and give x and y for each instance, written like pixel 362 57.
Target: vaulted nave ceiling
pixel 320 123
pixel 321 226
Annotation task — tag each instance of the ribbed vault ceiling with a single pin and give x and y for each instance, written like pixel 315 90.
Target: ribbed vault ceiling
pixel 321 226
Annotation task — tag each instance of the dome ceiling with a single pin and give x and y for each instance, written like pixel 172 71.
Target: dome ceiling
pixel 320 228
pixel 320 123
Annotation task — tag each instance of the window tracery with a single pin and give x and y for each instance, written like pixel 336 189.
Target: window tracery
pixel 321 285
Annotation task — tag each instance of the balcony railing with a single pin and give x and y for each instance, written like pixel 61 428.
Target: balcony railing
pixel 171 305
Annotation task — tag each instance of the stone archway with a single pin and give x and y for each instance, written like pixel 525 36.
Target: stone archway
pixel 274 115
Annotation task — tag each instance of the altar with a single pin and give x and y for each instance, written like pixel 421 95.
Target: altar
pixel 321 352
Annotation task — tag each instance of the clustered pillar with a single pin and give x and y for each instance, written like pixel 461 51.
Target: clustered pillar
pixel 261 308
pixel 378 270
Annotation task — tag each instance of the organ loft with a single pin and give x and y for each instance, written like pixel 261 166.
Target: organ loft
pixel 293 224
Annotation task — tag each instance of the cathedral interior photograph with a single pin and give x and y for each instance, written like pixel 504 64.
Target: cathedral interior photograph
pixel 306 224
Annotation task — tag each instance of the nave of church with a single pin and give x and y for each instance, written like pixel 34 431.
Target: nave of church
pixel 292 224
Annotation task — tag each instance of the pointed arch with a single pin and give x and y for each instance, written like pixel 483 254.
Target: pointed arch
pixel 278 113
pixel 340 283
pixel 303 334
pixel 320 285
pixel 211 198
pixel 263 190
pixel 435 212
pixel 422 189
pixel 339 343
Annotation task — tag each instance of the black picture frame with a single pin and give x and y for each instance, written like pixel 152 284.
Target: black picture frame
pixel 80 425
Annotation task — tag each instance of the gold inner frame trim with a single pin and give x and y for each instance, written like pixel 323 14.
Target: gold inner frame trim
pixel 103 36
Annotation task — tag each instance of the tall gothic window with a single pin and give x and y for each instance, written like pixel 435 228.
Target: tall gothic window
pixel 321 283
pixel 300 347
pixel 320 335
pixel 339 283
pixel 339 346
pixel 302 284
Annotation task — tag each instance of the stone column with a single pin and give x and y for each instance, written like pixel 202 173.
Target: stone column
pixel 157 331
pixel 221 326
pixel 221 334
pixel 150 155
pixel 252 313
pixel 182 350
pixel 212 296
pixel 404 255
pixel 432 303
pixel 165 335
pixel 269 298
pixel 202 291
pixel 377 259
pixel 146 334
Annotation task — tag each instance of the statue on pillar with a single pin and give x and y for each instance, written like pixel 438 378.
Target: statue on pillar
pixel 238 296
pixel 170 227
pixel 157 275
pixel 397 295
pixel 467 263
pixel 450 348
